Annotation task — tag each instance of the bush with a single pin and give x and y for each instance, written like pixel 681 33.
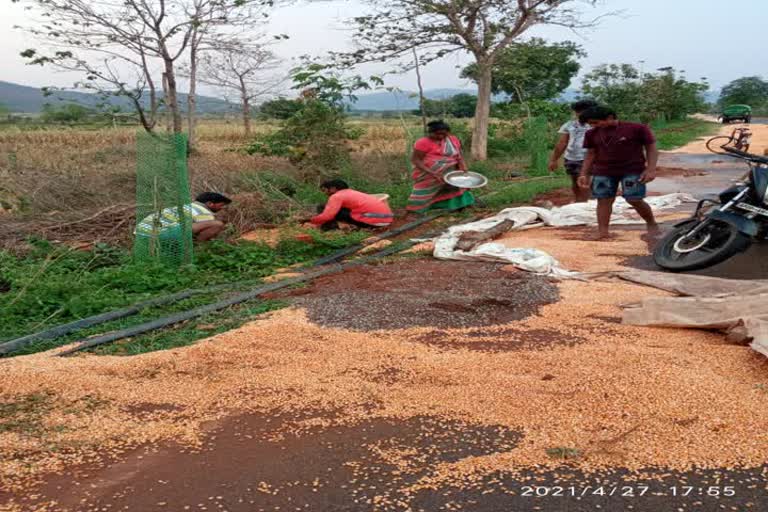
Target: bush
pixel 68 113
pixel 280 108
pixel 314 138
pixel 553 111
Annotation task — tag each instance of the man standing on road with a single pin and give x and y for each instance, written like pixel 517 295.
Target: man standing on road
pixel 618 153
pixel 571 143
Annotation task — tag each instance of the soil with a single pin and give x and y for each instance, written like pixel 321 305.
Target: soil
pixel 557 197
pixel 758 146
pixel 444 294
pixel 679 171
pixel 270 236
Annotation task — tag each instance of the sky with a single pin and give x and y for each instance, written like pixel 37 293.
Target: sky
pixel 703 37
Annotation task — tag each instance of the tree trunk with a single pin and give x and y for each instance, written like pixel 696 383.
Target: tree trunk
pixel 247 115
pixel 171 100
pixel 192 96
pixel 167 113
pixel 482 111
pixel 421 91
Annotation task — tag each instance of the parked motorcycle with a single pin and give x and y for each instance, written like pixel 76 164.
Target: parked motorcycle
pixel 723 225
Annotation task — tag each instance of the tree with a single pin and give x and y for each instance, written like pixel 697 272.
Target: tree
pixel 483 28
pixel 279 108
pixel 669 96
pixel 459 105
pixel 218 25
pixel 241 70
pixel 68 113
pixel 533 70
pixel 315 137
pixel 113 44
pixel 119 47
pixel 666 94
pixel 750 90
pixel 616 85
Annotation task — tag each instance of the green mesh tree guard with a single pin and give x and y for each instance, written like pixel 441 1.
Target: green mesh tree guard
pixel 163 215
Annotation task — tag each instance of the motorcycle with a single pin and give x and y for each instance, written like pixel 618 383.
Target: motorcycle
pixel 723 225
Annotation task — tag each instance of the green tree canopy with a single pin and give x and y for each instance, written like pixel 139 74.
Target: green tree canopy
pixel 749 90
pixel 459 105
pixel 533 69
pixel 279 108
pixel 615 85
pixel 67 113
pixel 666 94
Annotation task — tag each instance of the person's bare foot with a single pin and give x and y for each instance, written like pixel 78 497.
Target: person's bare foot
pixel 654 230
pixel 599 237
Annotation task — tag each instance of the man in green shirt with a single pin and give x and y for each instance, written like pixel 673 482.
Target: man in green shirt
pixel 205 226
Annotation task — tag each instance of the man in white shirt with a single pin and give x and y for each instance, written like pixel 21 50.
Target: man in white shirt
pixel 571 144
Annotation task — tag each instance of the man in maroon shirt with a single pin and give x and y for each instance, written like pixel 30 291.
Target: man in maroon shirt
pixel 618 153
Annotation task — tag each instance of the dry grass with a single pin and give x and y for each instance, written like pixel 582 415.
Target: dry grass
pixel 63 174
pixel 74 169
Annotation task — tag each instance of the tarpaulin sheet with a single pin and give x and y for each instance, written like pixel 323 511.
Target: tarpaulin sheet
pixel 528 217
pixel 738 307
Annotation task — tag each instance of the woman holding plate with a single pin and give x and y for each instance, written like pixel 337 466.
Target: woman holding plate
pixel 433 157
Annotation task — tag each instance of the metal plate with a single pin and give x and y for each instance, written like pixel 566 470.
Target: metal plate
pixel 468 179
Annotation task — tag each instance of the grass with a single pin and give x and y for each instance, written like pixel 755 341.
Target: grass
pixel 525 191
pixel 53 284
pixel 188 332
pixel 674 134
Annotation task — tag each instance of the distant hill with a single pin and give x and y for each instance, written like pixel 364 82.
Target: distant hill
pixel 23 99
pixel 406 100
pixel 30 100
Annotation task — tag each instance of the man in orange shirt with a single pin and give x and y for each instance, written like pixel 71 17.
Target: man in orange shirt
pixel 351 207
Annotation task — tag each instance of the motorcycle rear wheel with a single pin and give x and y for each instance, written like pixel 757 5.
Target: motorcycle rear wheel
pixel 715 243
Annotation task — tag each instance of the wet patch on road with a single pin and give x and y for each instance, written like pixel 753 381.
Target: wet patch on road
pixel 252 464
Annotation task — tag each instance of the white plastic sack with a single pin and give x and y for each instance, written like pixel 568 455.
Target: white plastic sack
pixel 528 217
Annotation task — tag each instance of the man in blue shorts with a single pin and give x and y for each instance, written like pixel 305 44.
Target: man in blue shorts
pixel 618 154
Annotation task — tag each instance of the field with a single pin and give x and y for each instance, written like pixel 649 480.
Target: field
pixel 70 195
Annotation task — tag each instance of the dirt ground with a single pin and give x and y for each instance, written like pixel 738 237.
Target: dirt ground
pixel 540 404
pixel 759 140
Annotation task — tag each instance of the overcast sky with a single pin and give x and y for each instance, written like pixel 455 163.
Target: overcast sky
pixel 706 38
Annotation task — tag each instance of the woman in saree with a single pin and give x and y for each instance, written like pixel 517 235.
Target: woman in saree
pixel 433 156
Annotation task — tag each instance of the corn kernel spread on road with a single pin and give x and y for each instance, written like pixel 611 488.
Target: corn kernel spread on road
pixel 413 415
